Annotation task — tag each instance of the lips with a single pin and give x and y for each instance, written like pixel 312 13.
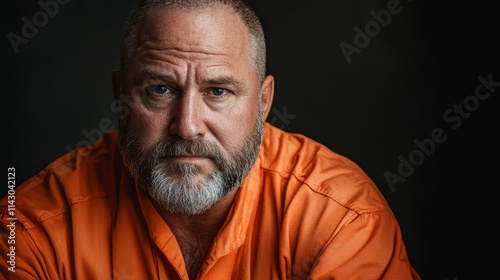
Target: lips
pixel 186 158
pixel 189 156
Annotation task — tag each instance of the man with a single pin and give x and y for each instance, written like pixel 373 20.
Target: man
pixel 195 185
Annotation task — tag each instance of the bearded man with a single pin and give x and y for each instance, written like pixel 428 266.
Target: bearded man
pixel 195 184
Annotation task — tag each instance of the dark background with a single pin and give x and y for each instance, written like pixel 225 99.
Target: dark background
pixel 56 91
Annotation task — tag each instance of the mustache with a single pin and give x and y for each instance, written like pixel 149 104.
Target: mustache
pixel 178 147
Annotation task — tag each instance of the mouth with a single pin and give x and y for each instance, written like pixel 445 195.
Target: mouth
pixel 187 158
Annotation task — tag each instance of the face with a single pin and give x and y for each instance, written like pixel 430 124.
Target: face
pixel 194 107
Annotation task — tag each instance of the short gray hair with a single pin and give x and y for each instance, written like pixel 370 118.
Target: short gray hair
pixel 243 9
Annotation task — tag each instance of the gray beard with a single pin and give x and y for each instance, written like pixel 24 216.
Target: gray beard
pixel 187 195
pixel 178 188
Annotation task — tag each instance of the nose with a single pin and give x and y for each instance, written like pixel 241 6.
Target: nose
pixel 188 119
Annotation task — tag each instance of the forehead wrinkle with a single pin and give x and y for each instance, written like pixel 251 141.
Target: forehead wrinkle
pixel 148 46
pixel 206 68
pixel 174 58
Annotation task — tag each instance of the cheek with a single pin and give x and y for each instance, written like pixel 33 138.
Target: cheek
pixel 149 127
pixel 232 130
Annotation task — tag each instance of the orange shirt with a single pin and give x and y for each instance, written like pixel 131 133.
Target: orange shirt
pixel 302 212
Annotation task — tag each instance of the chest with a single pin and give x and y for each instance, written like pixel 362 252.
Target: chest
pixel 194 252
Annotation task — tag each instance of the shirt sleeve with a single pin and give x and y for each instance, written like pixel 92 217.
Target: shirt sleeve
pixel 20 257
pixel 370 246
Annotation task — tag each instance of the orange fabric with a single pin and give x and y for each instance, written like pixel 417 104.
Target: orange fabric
pixel 302 212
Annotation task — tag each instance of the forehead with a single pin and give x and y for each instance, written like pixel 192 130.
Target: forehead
pixel 214 30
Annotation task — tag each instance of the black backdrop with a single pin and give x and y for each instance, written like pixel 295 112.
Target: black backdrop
pixel 407 79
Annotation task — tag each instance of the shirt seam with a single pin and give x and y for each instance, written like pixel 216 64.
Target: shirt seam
pixel 309 185
pixel 32 226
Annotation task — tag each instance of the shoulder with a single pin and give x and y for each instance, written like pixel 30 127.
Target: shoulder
pixel 81 175
pixel 313 170
pixel 321 199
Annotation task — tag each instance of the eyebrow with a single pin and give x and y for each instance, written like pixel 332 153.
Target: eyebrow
pixel 222 80
pixel 156 76
pixel 225 80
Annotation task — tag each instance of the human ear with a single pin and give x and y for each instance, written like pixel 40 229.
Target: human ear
pixel 267 95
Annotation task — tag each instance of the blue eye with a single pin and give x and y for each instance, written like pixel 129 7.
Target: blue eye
pixel 159 89
pixel 218 91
